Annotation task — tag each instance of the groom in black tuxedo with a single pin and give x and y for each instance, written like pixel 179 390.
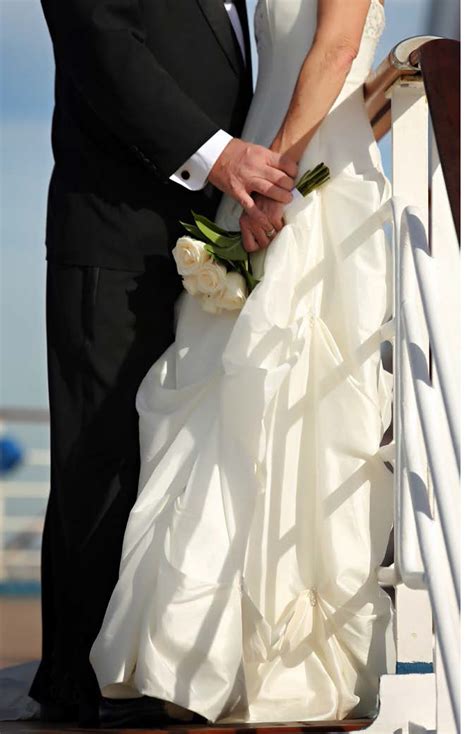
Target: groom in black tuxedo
pixel 150 96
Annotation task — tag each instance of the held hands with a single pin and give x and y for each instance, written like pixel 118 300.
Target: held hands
pixel 254 236
pixel 261 181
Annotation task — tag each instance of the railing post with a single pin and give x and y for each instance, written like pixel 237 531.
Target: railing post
pixel 410 183
pixel 2 535
pixel 417 72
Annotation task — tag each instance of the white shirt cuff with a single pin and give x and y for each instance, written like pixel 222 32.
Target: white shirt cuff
pixel 194 172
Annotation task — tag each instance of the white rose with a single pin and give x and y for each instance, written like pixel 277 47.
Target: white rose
pixel 190 284
pixel 235 293
pixel 209 304
pixel 189 255
pixel 211 278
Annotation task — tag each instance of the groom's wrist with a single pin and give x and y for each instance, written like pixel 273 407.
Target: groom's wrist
pixel 193 174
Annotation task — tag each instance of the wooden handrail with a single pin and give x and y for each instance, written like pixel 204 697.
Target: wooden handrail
pixel 396 65
pixel 24 415
pixel 437 61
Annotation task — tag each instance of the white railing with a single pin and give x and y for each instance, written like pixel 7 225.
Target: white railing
pixel 426 569
pixel 20 527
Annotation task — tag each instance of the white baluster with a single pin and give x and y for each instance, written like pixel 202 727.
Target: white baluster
pixel 410 184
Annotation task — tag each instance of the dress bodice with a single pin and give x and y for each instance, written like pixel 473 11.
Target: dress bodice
pixel 282 21
pixel 284 31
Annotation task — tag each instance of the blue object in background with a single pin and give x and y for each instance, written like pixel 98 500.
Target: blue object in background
pixel 11 454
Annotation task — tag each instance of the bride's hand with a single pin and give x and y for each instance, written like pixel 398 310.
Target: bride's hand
pixel 254 236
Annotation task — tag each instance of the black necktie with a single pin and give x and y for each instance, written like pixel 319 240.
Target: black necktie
pixel 241 7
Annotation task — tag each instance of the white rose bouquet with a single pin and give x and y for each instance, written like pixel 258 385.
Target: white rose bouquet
pixel 213 263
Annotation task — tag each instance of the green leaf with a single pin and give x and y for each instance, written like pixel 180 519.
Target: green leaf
pixel 192 229
pixel 210 249
pixel 231 262
pixel 234 252
pixel 213 227
pixel 218 239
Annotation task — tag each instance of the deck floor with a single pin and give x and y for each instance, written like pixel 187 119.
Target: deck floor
pixel 328 727
pixel 20 627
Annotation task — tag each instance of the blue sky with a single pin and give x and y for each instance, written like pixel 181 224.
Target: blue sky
pixel 27 78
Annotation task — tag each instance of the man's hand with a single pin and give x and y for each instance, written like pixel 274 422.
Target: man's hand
pixel 244 169
pixel 255 237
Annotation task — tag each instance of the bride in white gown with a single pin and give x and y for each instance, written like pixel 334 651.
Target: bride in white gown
pixel 248 587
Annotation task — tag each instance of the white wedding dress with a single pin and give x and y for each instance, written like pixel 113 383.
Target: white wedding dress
pixel 248 588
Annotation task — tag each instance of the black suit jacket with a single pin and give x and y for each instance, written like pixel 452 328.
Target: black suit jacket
pixel 140 86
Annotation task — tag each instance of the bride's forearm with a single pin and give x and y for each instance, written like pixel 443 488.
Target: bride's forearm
pixel 318 86
pixel 323 73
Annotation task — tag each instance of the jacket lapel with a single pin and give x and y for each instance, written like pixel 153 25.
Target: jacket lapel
pixel 216 16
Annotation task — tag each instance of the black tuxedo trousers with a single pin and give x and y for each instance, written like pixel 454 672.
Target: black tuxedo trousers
pixel 105 329
pixel 140 85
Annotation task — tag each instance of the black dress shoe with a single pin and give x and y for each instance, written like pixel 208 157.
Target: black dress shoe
pixel 88 715
pixel 52 712
pixel 141 713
